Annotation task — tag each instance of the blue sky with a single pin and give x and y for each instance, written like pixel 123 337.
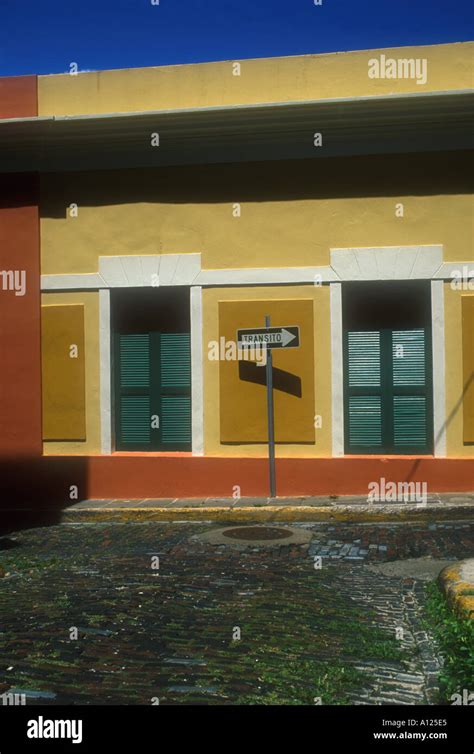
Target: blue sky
pixel 45 36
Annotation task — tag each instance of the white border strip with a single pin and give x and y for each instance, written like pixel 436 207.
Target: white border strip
pixel 439 368
pixel 387 262
pixel 370 263
pixel 161 270
pixel 337 370
pixel 105 372
pixel 197 381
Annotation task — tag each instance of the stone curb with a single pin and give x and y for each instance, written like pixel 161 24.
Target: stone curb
pixel 456 581
pixel 301 513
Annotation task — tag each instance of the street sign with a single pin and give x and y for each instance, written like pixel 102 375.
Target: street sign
pixel 269 337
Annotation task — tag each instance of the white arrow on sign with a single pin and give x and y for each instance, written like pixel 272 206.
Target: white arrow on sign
pixel 269 337
pixel 287 337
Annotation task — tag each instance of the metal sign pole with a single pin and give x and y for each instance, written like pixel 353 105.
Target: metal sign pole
pixel 271 426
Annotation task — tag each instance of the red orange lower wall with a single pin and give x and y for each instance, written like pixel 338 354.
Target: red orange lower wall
pixel 115 477
pixel 46 483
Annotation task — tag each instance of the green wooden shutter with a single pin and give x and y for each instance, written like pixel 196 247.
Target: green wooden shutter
pixel 388 393
pixel 364 405
pixel 175 377
pixel 409 421
pixel 135 425
pixel 175 360
pixel 411 414
pixel 365 420
pixel 364 359
pixel 134 360
pixel 408 353
pixel 134 397
pixel 153 391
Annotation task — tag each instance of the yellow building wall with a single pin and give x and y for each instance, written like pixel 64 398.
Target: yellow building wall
pixel 92 443
pixel 262 80
pixel 454 372
pixel 291 213
pixel 322 371
pixel 319 296
pixel 63 372
pixel 242 391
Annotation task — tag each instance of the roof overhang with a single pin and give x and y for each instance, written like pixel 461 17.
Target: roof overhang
pixel 436 121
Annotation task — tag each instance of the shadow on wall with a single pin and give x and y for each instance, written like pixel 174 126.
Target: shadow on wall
pixel 446 424
pixel 284 381
pixel 339 177
pixel 34 491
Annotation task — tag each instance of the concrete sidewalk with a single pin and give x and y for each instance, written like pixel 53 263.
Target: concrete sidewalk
pixel 355 508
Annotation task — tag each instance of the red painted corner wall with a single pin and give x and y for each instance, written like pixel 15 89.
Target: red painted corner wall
pixel 20 354
pixel 18 96
pixel 20 363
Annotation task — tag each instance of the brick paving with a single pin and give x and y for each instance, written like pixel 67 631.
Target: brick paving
pixel 162 617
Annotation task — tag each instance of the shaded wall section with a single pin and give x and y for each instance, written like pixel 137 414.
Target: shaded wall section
pixel 32 492
pixel 292 211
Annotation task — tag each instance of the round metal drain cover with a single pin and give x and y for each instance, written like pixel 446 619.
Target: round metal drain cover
pixel 252 533
pixel 251 536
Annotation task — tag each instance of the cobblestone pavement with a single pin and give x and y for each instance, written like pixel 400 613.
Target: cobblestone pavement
pixel 163 617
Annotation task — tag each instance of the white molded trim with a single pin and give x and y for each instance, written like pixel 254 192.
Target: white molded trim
pixel 76 282
pixel 105 372
pixel 451 270
pixel 154 270
pixel 197 377
pixel 387 262
pixel 439 368
pixel 337 370
pixel 267 276
pixel 180 269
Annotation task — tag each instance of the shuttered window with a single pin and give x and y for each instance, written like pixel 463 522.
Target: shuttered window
pixel 364 359
pixel 409 421
pixel 135 361
pixel 365 420
pixel 388 394
pixel 175 380
pixel 408 354
pixel 153 391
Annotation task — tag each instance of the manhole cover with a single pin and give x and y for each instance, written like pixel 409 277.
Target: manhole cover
pixel 249 537
pixel 251 533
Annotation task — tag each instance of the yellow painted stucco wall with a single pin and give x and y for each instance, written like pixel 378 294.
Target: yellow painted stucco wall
pixel 262 80
pixel 92 444
pixel 322 370
pixel 63 372
pixel 242 404
pixel 454 372
pixel 291 213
